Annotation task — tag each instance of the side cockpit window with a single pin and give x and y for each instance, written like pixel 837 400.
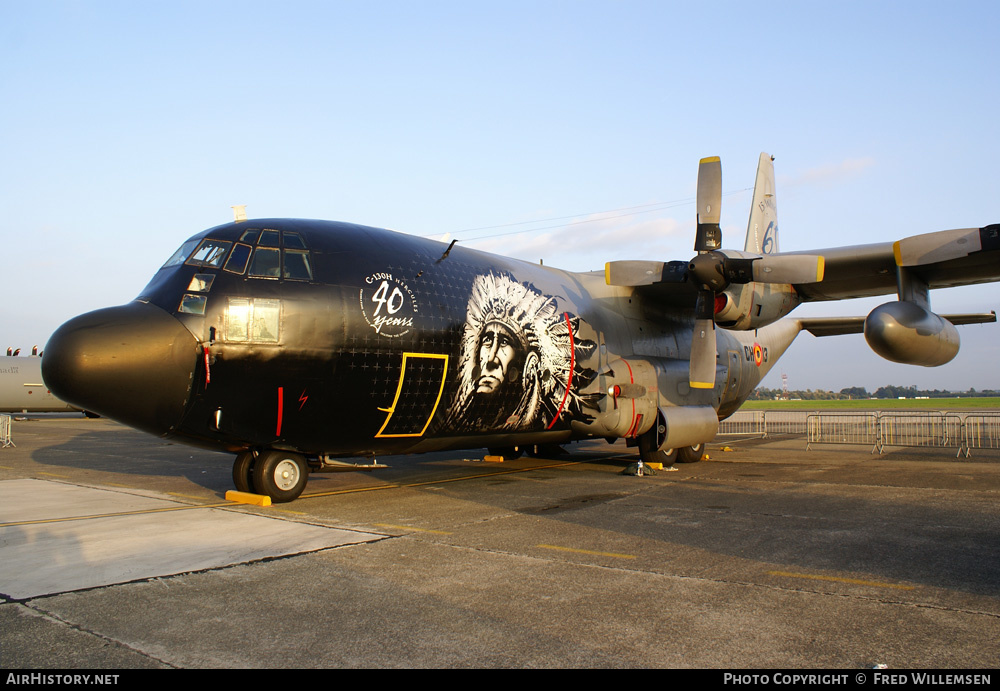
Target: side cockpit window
pixel 253 320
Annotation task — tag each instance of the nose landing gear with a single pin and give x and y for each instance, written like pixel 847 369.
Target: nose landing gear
pixel 280 475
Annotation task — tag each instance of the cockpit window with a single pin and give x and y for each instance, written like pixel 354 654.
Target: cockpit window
pixel 266 263
pixel 181 254
pixel 294 241
pixel 297 265
pixel 201 283
pixel 210 253
pixel 268 238
pixel 237 262
pixel 250 235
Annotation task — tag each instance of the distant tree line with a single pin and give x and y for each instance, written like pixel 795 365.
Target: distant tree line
pixel 859 392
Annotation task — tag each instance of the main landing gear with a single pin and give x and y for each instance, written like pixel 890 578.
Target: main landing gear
pixel 650 451
pixel 280 475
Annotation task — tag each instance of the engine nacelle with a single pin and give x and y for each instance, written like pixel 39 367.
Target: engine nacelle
pixel 682 426
pixel 906 332
pixel 754 305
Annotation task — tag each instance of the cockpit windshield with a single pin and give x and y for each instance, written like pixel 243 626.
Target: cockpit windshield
pixel 210 253
pixel 181 254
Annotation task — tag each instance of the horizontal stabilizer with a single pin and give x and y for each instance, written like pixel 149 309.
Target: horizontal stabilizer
pixel 836 326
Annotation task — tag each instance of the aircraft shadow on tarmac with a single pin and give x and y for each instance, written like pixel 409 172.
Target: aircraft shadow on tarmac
pixel 844 518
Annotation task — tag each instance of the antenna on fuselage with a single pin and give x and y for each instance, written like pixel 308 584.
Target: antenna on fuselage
pixel 239 212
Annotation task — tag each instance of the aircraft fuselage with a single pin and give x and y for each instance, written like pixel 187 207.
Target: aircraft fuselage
pixel 335 339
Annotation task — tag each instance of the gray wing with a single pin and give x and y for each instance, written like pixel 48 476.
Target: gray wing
pixel 942 259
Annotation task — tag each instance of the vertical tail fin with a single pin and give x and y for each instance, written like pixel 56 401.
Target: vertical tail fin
pixel 762 230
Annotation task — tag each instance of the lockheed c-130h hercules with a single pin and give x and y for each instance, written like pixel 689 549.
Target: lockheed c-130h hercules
pixel 295 343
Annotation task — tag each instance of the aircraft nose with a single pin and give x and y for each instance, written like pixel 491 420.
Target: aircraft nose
pixel 134 364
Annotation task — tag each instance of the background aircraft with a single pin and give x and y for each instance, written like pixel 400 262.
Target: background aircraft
pixel 22 389
pixel 292 343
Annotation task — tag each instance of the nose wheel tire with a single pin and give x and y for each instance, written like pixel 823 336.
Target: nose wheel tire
pixel 280 475
pixel 243 471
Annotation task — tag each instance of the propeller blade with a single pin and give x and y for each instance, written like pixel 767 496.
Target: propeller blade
pixel 703 357
pixel 643 273
pixel 788 268
pixel 633 273
pixel 709 234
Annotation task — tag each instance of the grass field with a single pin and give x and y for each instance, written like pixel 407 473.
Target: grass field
pixel 880 404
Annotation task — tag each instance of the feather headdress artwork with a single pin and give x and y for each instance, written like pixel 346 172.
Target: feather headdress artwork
pixel 538 380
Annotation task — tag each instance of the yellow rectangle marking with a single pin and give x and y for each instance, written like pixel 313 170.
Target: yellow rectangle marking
pixel 587 551
pixel 408 527
pixel 837 579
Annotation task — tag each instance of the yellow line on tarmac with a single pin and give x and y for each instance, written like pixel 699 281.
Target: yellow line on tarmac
pixel 410 527
pixel 137 512
pixel 837 579
pixel 587 551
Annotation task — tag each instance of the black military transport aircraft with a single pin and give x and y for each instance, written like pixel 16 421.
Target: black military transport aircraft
pixel 295 343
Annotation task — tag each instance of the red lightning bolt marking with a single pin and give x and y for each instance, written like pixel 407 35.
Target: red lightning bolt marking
pixel 302 399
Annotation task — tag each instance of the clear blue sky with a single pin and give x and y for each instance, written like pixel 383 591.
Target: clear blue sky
pixel 128 126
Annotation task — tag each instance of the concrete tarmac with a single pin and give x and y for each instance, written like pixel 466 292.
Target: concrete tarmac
pixel 118 550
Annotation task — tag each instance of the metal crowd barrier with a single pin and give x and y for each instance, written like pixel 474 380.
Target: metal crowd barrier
pixel 851 428
pixel 764 423
pixel 5 439
pixel 934 429
pixel 920 429
pixel 744 423
pixel 980 432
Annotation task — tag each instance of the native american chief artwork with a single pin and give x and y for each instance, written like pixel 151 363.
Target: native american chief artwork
pixel 519 366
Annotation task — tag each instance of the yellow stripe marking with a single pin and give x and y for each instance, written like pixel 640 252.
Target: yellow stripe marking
pixel 399 389
pixel 702 385
pixel 53 474
pixel 587 551
pixel 185 496
pixel 410 527
pixel 897 253
pixel 710 159
pixel 837 579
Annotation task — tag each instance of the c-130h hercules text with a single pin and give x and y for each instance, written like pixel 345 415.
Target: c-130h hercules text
pixel 293 343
